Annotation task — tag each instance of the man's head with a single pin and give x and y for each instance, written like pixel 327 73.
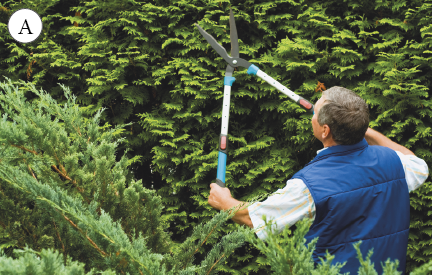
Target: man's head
pixel 341 117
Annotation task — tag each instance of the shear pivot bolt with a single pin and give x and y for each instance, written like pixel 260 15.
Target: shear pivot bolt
pixel 234 61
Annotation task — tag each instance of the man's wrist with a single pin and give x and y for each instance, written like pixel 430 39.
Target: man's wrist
pixel 230 203
pixel 371 136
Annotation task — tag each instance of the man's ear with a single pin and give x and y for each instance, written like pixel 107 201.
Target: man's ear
pixel 327 132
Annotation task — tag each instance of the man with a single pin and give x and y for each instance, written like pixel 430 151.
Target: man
pixel 351 190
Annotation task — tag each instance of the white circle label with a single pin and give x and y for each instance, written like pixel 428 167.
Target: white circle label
pixel 25 25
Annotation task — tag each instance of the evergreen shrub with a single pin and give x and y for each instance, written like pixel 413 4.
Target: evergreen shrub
pixel 61 188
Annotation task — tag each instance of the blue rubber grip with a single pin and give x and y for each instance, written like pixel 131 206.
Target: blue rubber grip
pixel 252 69
pixel 221 169
pixel 229 80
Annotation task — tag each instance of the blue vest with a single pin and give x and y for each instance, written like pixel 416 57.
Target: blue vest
pixel 360 193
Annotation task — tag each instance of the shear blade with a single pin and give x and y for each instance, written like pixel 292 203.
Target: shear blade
pixel 234 61
pixel 215 45
pixel 233 36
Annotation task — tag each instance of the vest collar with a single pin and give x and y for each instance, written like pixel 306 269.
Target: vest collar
pixel 340 150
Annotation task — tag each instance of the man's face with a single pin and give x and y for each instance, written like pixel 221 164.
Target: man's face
pixel 317 129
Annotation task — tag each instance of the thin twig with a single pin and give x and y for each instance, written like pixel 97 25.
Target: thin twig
pixel 62 173
pixel 25 149
pixel 28 165
pixel 88 238
pixel 78 130
pixel 31 171
pixel 215 264
pixel 58 235
pixel 200 245
pixel 28 232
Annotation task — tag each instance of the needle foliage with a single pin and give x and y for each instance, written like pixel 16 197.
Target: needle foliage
pixel 62 188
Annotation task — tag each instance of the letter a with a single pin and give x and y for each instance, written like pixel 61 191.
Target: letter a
pixel 28 28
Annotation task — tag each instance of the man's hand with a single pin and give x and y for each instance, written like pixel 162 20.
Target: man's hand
pixel 219 196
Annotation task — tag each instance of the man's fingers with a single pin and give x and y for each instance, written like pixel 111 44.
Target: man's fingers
pixel 213 185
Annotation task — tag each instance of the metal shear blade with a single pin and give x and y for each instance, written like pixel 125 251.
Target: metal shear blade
pixel 233 61
pixel 233 37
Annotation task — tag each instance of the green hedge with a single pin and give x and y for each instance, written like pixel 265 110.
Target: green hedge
pixel 61 188
pixel 148 64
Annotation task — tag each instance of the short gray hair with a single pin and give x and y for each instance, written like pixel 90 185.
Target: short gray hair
pixel 346 114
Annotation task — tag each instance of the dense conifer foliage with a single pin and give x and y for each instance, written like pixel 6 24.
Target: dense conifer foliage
pixel 62 188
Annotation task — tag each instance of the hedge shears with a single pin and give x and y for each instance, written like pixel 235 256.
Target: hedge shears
pixel 235 61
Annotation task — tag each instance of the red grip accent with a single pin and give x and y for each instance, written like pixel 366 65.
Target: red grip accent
pixel 305 104
pixel 223 142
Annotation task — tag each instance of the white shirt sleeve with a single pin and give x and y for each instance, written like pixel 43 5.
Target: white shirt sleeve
pixel 284 207
pixel 416 170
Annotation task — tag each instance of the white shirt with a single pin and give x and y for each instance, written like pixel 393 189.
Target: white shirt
pixel 294 202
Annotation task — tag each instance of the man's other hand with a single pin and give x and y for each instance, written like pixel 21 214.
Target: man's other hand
pixel 219 196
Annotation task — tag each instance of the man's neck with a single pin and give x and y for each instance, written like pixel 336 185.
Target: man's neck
pixel 329 143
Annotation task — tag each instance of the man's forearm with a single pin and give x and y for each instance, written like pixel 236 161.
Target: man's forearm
pixel 376 138
pixel 241 216
pixel 221 199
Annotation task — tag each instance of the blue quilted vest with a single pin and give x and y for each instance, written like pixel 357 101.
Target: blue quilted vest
pixel 360 193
